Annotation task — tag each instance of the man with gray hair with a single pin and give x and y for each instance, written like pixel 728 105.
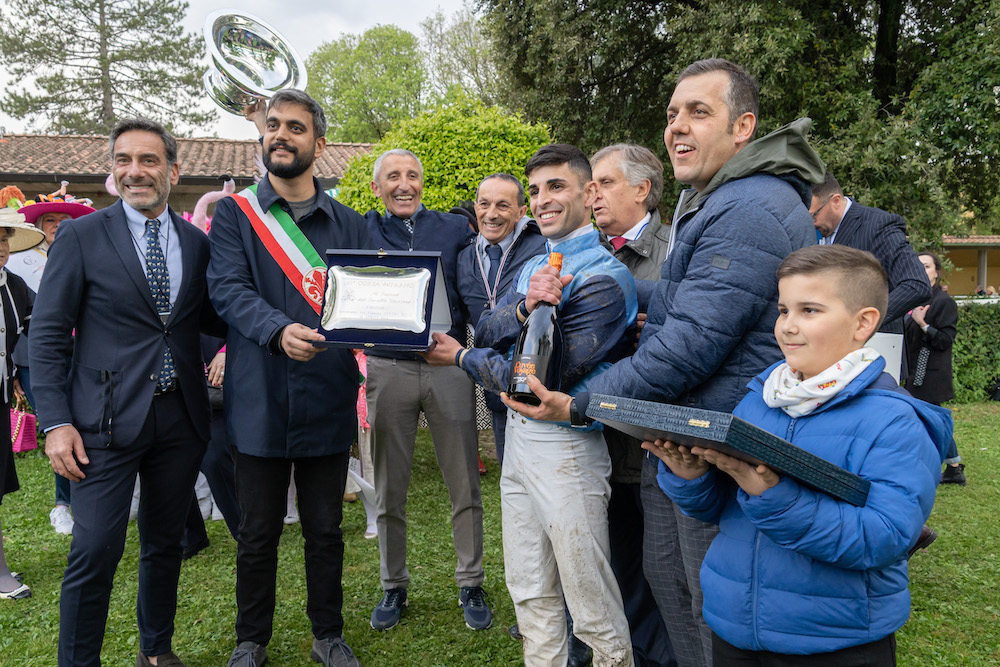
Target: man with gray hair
pixel 486 269
pixel 629 182
pixel 401 385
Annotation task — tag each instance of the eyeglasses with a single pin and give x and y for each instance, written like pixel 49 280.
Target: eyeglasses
pixel 816 212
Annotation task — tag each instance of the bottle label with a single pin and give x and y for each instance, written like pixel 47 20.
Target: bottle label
pixel 524 365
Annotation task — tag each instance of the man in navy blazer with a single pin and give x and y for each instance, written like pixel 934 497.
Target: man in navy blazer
pixel 133 399
pixel 839 219
pixel 287 401
pixel 509 235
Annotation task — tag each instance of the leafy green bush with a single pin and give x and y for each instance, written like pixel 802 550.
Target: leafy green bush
pixel 459 144
pixel 976 360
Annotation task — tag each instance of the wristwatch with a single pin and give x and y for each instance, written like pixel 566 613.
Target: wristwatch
pixel 575 418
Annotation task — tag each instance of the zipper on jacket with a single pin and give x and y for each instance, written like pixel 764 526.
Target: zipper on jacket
pixel 754 589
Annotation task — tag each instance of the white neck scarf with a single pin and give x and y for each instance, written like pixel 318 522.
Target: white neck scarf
pixel 786 389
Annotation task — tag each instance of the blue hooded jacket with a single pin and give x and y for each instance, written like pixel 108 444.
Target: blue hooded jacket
pixel 794 571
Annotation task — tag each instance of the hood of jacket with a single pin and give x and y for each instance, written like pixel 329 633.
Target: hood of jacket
pixel 936 420
pixel 784 153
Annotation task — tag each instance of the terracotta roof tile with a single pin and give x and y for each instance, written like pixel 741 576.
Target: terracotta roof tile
pixel 971 240
pixel 79 155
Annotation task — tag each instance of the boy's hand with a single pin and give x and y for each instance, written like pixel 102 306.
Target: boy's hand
pixel 755 480
pixel 682 461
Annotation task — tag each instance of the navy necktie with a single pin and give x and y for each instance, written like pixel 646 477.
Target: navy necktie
pixel 494 252
pixel 159 285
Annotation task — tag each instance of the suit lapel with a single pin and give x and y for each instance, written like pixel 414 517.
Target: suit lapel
pixel 849 225
pixel 116 226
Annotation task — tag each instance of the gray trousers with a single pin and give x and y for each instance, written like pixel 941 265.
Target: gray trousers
pixel 673 548
pixel 397 392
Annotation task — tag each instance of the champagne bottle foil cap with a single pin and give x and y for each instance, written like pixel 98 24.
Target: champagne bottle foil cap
pixel 555 259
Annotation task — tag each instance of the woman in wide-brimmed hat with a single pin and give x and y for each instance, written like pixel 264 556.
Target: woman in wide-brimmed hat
pixel 15 307
pixel 47 213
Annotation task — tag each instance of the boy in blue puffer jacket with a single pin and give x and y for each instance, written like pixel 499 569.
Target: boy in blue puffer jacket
pixel 794 572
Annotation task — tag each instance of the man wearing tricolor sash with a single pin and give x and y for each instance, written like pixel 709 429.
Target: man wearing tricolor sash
pixel 286 400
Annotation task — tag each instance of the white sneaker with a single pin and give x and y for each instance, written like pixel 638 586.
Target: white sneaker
pixel 371 532
pixel 61 520
pixel 292 516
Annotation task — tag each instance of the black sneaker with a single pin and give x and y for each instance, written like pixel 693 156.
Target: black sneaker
pixel 387 612
pixel 472 600
pixel 248 654
pixel 954 474
pixel 334 653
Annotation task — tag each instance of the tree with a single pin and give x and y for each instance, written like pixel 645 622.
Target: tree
pixel 459 144
pixel 367 83
pixel 95 61
pixel 904 94
pixel 460 58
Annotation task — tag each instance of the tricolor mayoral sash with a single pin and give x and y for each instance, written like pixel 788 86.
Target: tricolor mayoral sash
pixel 293 252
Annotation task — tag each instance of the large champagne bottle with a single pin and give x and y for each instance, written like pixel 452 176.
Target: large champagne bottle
pixel 538 350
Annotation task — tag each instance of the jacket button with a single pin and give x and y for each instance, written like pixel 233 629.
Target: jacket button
pixel 152 377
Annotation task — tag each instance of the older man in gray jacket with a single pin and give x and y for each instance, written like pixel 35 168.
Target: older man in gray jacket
pixel 629 182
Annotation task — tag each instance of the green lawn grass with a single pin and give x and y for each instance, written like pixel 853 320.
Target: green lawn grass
pixel 955 618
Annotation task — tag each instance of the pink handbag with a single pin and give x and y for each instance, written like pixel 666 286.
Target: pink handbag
pixel 23 427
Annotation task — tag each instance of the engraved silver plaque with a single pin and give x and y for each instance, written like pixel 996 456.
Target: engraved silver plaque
pixel 376 298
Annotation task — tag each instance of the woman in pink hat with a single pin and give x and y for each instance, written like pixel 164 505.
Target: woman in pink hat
pixel 15 308
pixel 46 215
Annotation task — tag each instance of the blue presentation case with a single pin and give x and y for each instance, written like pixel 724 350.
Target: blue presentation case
pixel 436 307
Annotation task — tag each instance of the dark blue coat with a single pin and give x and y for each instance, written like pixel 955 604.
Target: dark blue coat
pixel 883 234
pixel 795 571
pixel 446 233
pixel 277 407
pixel 710 326
pixel 471 282
pixel 94 284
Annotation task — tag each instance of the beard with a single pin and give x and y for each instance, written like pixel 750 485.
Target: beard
pixel 295 168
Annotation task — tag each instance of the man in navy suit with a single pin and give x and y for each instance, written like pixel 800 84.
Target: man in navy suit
pixel 839 219
pixel 287 401
pixel 129 280
pixel 486 269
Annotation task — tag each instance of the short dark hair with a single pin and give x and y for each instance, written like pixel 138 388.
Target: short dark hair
pixel 508 178
pixel 742 95
pixel 295 96
pixel 144 125
pixel 828 187
pixel 860 278
pixel 638 164
pixel 556 154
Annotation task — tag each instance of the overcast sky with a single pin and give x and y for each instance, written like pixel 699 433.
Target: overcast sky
pixel 306 24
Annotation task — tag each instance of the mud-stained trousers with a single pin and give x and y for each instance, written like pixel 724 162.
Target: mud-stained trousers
pixel 554 495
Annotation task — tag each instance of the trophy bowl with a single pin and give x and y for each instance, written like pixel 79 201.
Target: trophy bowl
pixel 250 61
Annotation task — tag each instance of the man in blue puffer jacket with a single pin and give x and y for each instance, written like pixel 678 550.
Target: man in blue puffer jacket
pixel 710 315
pixel 794 571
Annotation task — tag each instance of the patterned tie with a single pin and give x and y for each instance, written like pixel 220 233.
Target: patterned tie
pixel 618 241
pixel 409 226
pixel 494 253
pixel 159 285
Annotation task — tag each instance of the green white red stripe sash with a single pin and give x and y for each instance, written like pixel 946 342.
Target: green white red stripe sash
pixel 290 248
